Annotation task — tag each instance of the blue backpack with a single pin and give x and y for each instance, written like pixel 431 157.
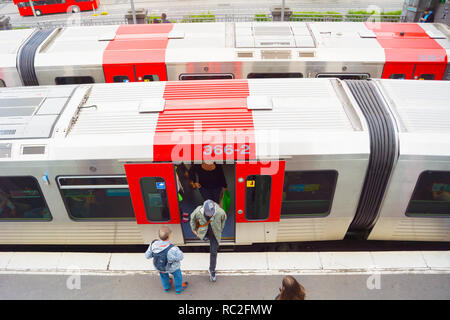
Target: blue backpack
pixel 160 259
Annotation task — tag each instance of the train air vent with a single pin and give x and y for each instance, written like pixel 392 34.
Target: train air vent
pixel 245 54
pixel 272 31
pixel 109 36
pixel 259 103
pixel 33 149
pixel 176 35
pixel 152 105
pixel 276 54
pixel 274 43
pixel 5 150
pixel 307 54
pixel 367 34
pixel 7 132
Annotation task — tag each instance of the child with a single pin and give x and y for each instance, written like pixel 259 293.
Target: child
pixel 166 259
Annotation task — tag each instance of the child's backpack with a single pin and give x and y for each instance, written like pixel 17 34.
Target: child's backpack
pixel 160 259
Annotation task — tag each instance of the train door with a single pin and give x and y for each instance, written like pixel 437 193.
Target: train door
pixel 398 70
pixel 151 72
pixel 428 71
pixel 153 191
pixel 119 73
pixel 259 190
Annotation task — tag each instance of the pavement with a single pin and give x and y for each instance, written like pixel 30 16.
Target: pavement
pixel 325 275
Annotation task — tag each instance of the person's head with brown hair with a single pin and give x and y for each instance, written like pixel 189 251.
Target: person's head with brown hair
pixel 291 289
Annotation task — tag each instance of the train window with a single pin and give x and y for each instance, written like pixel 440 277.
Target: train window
pixel 308 193
pixel 206 76
pixel 156 203
pixel 99 197
pixel 345 76
pixel 2 83
pixel 21 199
pixel 275 75
pixel 427 77
pixel 257 197
pixel 121 79
pixel 73 80
pixel 431 196
pixel 152 77
pixel 400 76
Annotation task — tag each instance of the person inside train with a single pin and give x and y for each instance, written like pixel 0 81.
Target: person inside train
pixel 7 208
pixel 207 223
pixel 209 179
pixel 186 196
pixel 291 289
pixel 427 17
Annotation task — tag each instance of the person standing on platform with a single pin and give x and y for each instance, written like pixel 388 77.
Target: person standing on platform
pixel 427 17
pixel 207 223
pixel 167 260
pixel 164 18
pixel 209 178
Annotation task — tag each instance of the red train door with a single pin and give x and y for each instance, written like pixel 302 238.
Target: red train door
pixel 429 71
pixel 119 73
pixel 151 72
pixel 259 189
pixel 154 196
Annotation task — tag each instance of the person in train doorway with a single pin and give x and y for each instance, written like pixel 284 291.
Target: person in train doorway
pixel 185 190
pixel 167 260
pixel 427 17
pixel 209 178
pixel 207 223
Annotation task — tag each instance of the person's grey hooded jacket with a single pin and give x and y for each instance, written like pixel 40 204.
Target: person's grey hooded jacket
pixel 174 256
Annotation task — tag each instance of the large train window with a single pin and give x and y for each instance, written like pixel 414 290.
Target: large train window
pixel 428 76
pixel 206 76
pixel 255 75
pixel 308 193
pixel 345 76
pixel 21 199
pixel 257 197
pixel 2 83
pixel 156 203
pixel 400 76
pixel 96 197
pixel 121 79
pixel 431 196
pixel 73 80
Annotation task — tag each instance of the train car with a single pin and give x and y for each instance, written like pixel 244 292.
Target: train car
pixel 208 51
pixel 304 159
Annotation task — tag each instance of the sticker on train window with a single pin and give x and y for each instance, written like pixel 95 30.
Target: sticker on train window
pixel 250 183
pixel 160 185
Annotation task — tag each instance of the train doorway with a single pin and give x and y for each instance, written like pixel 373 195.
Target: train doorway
pixel 163 193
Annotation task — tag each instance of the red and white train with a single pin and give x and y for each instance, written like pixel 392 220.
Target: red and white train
pixel 304 159
pixel 140 53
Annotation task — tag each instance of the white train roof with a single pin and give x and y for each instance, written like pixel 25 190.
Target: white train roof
pixel 144 120
pixel 10 43
pixel 422 112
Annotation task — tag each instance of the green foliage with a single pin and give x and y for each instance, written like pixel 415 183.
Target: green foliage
pixel 314 15
pixel 261 17
pixel 203 17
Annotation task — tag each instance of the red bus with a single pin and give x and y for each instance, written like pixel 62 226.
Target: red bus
pixel 54 6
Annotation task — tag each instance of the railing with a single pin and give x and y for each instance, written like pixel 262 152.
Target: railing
pixel 195 18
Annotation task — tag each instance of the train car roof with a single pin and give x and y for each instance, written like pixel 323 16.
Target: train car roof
pixel 10 42
pixel 191 42
pixel 310 117
pixel 422 113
